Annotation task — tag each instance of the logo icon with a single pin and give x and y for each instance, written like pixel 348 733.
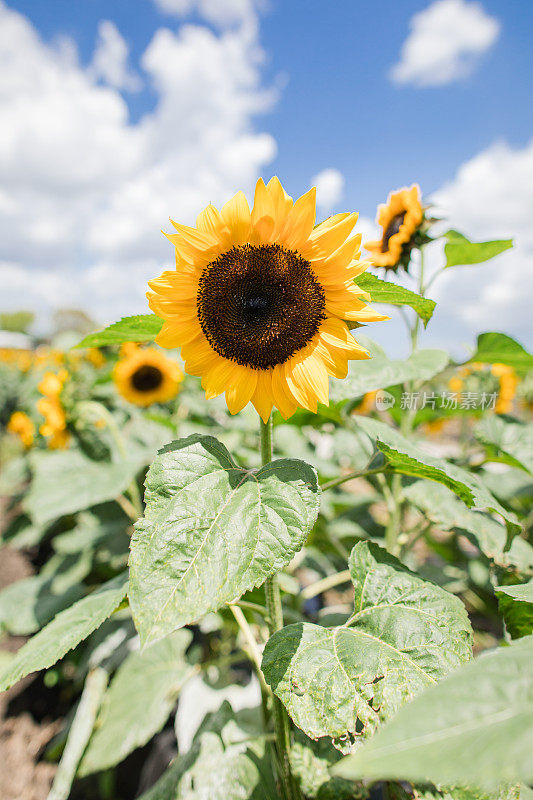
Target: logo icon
pixel 384 400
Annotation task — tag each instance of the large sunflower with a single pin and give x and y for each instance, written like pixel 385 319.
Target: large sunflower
pixel 258 300
pixel 146 376
pixel 400 219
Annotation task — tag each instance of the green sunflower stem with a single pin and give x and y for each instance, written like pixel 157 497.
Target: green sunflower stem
pixel 282 724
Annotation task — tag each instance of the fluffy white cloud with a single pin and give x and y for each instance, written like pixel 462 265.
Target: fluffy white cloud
pixel 491 197
pixel 110 60
pixel 84 192
pixel 220 12
pixel 329 188
pixel 445 41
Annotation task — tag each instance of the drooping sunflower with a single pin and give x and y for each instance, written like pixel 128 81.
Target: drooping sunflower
pixel 145 375
pixel 400 218
pixel 259 300
pixel 21 425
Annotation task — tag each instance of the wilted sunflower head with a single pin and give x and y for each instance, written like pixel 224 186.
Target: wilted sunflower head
pixel 21 425
pixel 400 219
pixel 259 300
pixel 146 376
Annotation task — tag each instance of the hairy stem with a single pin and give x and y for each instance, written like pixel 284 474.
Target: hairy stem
pixel 282 725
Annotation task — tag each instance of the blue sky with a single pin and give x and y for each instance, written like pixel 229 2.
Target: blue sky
pixel 320 77
pixel 337 105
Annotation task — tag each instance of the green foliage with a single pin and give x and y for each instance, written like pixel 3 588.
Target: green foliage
pixel 28 604
pixel 140 328
pixel 392 294
pixel 379 372
pixel 153 679
pixel 404 635
pixel 516 605
pixel 228 761
pixel 508 440
pixel 66 481
pixel 440 506
pixel 475 727
pixel 498 348
pixel 212 531
pixel 409 459
pixel 16 321
pixel 460 250
pixel 67 629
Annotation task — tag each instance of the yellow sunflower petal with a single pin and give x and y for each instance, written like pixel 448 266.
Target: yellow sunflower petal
pixel 263 398
pixel 241 389
pixel 236 215
pixel 300 221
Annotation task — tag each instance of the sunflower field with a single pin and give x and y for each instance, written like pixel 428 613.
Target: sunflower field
pixel 263 559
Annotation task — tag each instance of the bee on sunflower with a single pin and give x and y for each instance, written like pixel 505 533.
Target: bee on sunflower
pixel 404 227
pixel 22 426
pixel 145 375
pixel 54 427
pixel 260 301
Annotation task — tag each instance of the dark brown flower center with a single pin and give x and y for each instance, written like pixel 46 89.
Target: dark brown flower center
pixel 259 304
pixel 147 378
pixel 393 227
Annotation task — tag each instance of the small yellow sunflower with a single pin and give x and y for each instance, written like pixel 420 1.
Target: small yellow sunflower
pixel 400 219
pixel 146 376
pixel 259 300
pixel 21 425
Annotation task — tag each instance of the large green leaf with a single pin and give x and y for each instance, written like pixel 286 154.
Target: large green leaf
pixel 474 727
pixel 405 634
pixel 441 506
pixel 228 760
pixel 460 250
pixel 140 328
pixel 380 371
pixel 212 531
pixel 508 440
pixel 66 481
pixel 153 680
pixel 498 348
pixel 516 605
pixel 392 294
pixel 66 630
pixel 409 459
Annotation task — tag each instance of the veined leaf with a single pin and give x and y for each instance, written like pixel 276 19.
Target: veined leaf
pixel 140 328
pixel 441 506
pixel 380 371
pixel 153 678
pixel 212 531
pixel 474 727
pixel 405 634
pixel 507 440
pixel 391 294
pixel 460 250
pixel 498 348
pixel 516 605
pixel 410 459
pixel 67 629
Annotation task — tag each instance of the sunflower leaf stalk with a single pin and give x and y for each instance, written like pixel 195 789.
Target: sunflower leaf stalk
pixel 282 725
